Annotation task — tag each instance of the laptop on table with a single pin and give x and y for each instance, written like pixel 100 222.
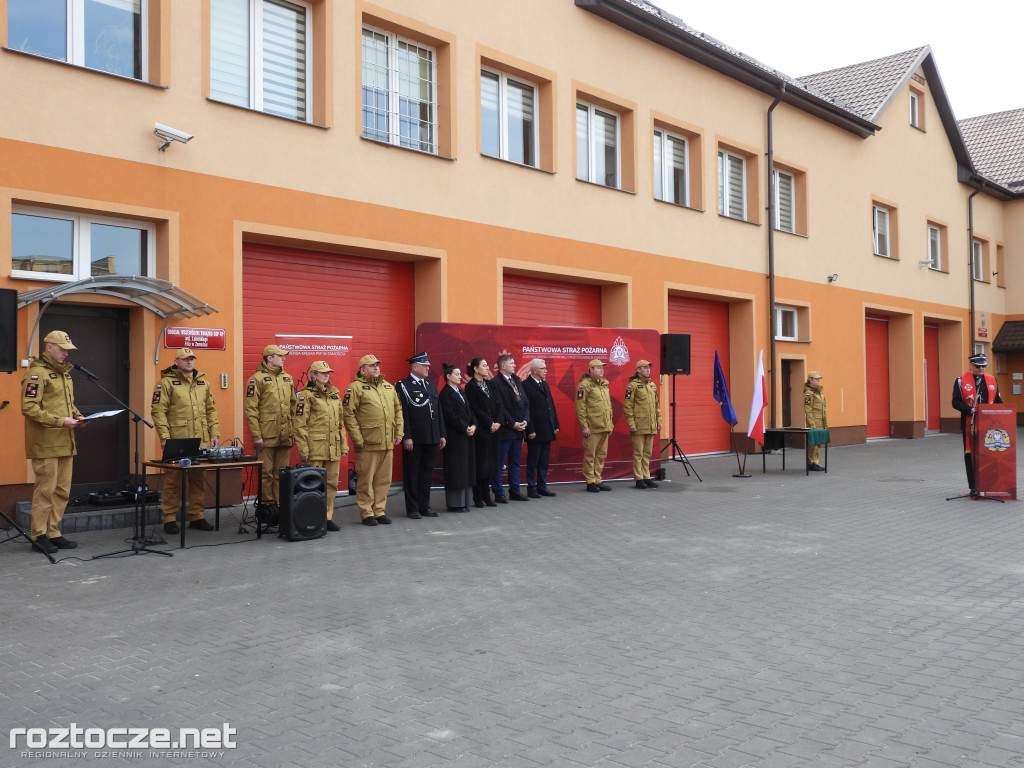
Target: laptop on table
pixel 180 448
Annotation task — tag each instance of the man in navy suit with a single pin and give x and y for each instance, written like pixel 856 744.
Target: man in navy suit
pixel 541 431
pixel 424 434
pixel 516 417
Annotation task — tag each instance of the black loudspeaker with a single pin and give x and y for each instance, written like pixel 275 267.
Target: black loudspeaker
pixel 303 503
pixel 675 353
pixel 8 330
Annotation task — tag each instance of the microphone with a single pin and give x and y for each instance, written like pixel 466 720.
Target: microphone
pixel 88 374
pixel 4 404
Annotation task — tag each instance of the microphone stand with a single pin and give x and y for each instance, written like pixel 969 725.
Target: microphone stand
pixel 139 488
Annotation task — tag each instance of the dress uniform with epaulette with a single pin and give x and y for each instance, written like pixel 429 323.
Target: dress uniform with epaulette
pixel 641 408
pixel 183 407
pixel 373 418
pixel 47 402
pixel 423 431
pixel 269 405
pixel 594 413
pixel 320 431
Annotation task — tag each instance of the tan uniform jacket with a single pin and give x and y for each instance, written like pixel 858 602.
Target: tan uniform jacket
pixel 641 406
pixel 269 405
pixel 319 433
pixel 814 407
pixel 373 414
pixel 47 398
pixel 183 406
pixel 594 404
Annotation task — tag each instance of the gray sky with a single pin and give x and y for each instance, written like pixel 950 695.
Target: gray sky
pixel 974 43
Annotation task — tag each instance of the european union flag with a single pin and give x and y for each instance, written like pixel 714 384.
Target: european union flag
pixel 722 394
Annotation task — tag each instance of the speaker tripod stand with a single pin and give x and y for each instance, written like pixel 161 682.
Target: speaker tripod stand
pixel 675 451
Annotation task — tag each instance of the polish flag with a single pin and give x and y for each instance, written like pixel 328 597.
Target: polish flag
pixel 757 404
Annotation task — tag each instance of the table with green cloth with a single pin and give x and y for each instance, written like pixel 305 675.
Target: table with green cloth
pixel 775 439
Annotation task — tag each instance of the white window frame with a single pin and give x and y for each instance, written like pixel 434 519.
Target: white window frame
pixel 593 147
pixel 978 260
pixel 394 95
pixel 777 190
pixel 75 42
pixel 725 185
pixel 915 110
pixel 81 254
pixel 881 215
pixel 781 314
pixel 257 70
pixel 503 79
pixel 935 247
pixel 663 166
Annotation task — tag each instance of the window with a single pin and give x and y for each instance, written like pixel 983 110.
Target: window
pixel 399 91
pixel 785 201
pixel 787 325
pixel 70 246
pixel 671 168
pixel 997 273
pixel 597 145
pixel 259 56
pixel 915 109
pixel 508 123
pixel 936 247
pixel 108 35
pixel 884 230
pixel 732 192
pixel 979 260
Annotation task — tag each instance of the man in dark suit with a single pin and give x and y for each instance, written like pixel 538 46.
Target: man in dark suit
pixel 541 431
pixel 423 434
pixel 516 416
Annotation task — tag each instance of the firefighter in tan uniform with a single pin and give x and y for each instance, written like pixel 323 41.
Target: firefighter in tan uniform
pixel 817 418
pixel 642 410
pixel 373 417
pixel 183 407
pixel 269 405
pixel 319 431
pixel 594 413
pixel 48 404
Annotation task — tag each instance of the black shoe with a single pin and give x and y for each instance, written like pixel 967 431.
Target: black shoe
pixel 533 494
pixel 414 515
pixel 202 524
pixel 640 485
pixel 478 503
pixel 603 487
pixel 43 544
pixel 546 492
pixel 61 543
pixel 458 509
pixel 429 513
pixel 171 527
pixel 383 520
pixel 816 468
pixel 369 521
pixel 517 496
pixel 592 488
pixel 332 526
pixel 650 483
pixel 500 500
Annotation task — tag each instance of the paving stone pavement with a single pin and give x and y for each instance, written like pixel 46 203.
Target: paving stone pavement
pixel 854 618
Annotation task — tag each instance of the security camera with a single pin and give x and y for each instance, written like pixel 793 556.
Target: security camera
pixel 168 134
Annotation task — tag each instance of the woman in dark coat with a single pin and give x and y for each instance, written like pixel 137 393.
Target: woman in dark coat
pixel 459 453
pixel 487 409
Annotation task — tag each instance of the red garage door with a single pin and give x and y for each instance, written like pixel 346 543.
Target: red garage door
pixel 876 343
pixel 933 395
pixel 699 424
pixel 531 301
pixel 289 292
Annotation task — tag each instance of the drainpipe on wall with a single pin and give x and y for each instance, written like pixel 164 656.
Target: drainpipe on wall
pixel 771 253
pixel 970 250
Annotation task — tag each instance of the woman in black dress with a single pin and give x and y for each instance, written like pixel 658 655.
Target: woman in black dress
pixel 488 412
pixel 459 454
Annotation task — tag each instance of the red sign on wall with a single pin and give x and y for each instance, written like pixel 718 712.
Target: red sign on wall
pixel 195 338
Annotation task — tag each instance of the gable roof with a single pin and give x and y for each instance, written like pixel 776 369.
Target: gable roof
pixel 996 144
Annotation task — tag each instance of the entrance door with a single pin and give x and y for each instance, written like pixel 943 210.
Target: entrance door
pixel 787 393
pixel 101 335
pixel 933 397
pixel 876 338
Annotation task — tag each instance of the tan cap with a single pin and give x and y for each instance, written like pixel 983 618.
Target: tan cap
pixel 642 363
pixel 184 354
pixel 368 360
pixel 321 366
pixel 813 375
pixel 592 363
pixel 59 338
pixel 273 349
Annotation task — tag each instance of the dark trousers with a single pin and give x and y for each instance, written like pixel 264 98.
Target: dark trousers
pixel 538 458
pixel 969 466
pixel 509 452
pixel 417 469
